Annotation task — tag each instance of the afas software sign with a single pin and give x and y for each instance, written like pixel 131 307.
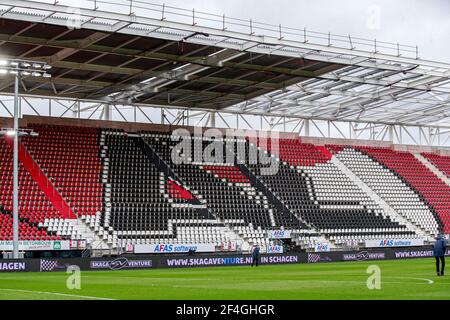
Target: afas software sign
pixel 36 245
pixel 274 249
pixel 173 248
pixel 387 243
pixel 322 247
pixel 279 234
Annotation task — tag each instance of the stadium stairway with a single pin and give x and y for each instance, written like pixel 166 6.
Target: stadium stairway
pixel 389 210
pixel 427 163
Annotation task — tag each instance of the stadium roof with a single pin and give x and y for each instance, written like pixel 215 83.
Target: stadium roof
pixel 159 55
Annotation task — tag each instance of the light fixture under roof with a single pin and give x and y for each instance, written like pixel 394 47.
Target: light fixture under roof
pixel 24 68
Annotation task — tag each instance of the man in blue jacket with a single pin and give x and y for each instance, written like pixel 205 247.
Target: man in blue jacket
pixel 439 254
pixel 255 256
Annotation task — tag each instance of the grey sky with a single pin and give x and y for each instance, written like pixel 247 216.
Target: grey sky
pixel 415 22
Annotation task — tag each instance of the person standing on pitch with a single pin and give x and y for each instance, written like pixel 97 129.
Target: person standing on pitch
pixel 439 254
pixel 255 256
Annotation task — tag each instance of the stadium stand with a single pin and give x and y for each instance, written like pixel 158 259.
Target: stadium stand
pixel 115 187
pixel 431 190
pixel 146 205
pixel 390 187
pixel 229 195
pixel 74 170
pixel 33 205
pixel 315 189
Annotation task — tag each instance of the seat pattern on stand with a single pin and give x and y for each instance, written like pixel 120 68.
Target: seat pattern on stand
pixel 223 188
pixel 136 211
pixel 431 190
pixel 390 187
pixel 27 230
pixel 34 207
pixel 228 173
pixel 314 189
pixel 440 162
pixel 178 192
pixel 128 193
pixel 69 156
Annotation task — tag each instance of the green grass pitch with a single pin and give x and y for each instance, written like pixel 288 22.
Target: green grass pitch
pixel 400 279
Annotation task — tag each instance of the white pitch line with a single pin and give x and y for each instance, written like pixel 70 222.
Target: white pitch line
pixel 56 294
pixel 428 280
pixel 423 279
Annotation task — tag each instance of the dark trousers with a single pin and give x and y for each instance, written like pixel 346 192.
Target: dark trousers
pixel 255 261
pixel 442 264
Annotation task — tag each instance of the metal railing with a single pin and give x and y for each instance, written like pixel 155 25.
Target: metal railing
pixel 250 26
pixel 223 22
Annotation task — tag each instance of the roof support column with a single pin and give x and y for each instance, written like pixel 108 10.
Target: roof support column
pixel 107 112
pixel 76 112
pixel 306 127
pixel 391 133
pixel 212 119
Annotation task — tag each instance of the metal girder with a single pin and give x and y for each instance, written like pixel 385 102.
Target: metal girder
pixel 183 72
pixel 337 100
